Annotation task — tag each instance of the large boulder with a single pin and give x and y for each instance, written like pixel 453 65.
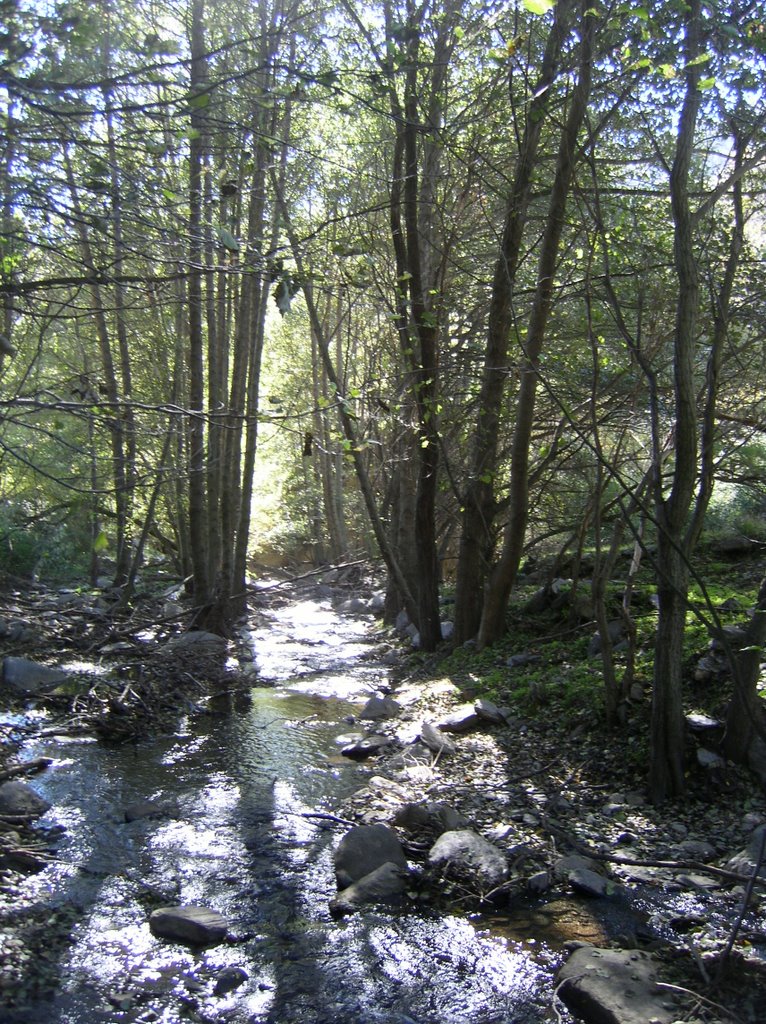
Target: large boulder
pixel 28 678
pixel 364 849
pixel 614 986
pixel 384 883
pixel 467 855
pixel 197 926
pixel 17 799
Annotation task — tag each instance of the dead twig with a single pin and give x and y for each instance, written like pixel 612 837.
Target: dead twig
pixel 703 1000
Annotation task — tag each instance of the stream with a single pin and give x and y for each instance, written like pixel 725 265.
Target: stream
pixel 238 785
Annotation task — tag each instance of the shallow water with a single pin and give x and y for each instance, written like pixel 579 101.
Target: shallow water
pixel 240 786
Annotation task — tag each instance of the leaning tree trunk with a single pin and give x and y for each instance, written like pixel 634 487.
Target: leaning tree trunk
pixel 503 577
pixel 479 502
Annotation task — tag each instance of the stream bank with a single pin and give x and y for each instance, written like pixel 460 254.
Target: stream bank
pixel 240 788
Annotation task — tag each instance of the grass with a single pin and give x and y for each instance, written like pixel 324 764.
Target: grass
pixel 569 684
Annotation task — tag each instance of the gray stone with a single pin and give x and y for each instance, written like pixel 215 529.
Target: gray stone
pixel 539 883
pixel 489 712
pixel 197 926
pixel 378 708
pixel 378 602
pixel 588 882
pixel 709 758
pixel 700 723
pixel 200 641
pixel 384 883
pixel 693 849
pixel 364 849
pixel 615 632
pixel 414 754
pixel 366 746
pixel 17 798
pixel 614 986
pixel 429 817
pixel 694 880
pixel 435 740
pixel 468 855
pixel 521 660
pixel 460 720
pixel 228 979
pixel 733 636
pixel 564 866
pixel 143 809
pixel 745 861
pixel 447 629
pixel 402 622
pixel 28 678
pixel 355 606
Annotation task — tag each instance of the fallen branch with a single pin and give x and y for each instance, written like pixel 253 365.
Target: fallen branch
pixel 643 862
pixel 327 817
pixel 26 768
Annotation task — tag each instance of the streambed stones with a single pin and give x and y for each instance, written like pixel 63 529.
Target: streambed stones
pixel 17 799
pixel 197 926
pixel 614 986
pixel 364 849
pixel 466 854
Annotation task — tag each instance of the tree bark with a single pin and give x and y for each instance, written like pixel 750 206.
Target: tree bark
pixel 503 577
pixel 477 537
pixel 198 511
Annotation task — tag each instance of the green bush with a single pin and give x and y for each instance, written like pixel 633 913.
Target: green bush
pixel 31 548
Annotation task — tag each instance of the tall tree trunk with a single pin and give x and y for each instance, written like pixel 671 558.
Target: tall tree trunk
pixel 8 245
pixel 666 768
pixel 503 577
pixel 477 536
pixel 115 420
pixel 198 511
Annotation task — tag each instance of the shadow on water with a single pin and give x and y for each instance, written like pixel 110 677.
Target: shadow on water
pixel 241 789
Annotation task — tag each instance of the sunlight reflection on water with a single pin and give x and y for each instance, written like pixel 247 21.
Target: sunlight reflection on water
pixel 239 838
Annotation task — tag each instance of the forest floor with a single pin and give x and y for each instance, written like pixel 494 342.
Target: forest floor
pixel 551 781
pixel 555 781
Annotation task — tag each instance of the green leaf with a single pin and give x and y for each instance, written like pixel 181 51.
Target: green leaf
pixel 459 33
pixel 101 543
pixel 538 7
pixel 227 239
pixel 198 101
pixel 702 59
pixel 705 83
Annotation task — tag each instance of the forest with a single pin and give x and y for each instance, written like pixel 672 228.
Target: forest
pixel 466 288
